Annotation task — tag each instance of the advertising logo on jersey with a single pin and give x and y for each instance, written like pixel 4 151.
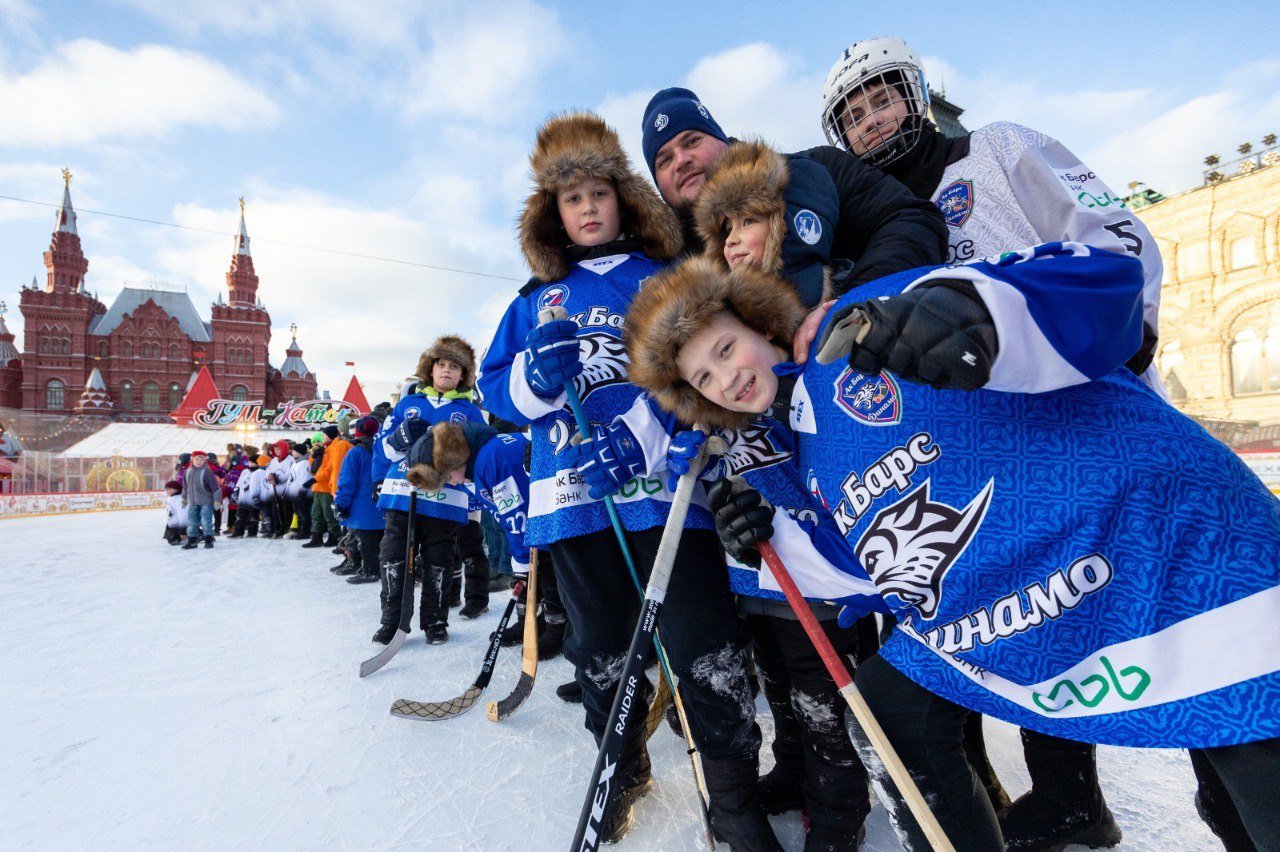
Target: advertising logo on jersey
pixel 554 296
pixel 808 227
pixel 871 400
pixel 956 202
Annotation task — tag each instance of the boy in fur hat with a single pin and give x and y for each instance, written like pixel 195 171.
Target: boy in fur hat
pixel 445 392
pixel 591 231
pixel 703 340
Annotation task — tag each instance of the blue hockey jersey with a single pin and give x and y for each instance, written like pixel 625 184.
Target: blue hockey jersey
pixel 1086 562
pixel 390 467
pixel 596 293
pixel 502 486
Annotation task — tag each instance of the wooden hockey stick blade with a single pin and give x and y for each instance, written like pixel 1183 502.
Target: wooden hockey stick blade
pixel 842 335
pixel 658 709
pixel 501 709
pixel 384 656
pixel 436 711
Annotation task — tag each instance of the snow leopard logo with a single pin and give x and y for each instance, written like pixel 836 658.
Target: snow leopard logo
pixel 808 226
pixel 751 449
pixel 911 545
pixel 604 359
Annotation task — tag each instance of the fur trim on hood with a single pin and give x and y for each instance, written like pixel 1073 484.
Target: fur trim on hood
pixel 447 447
pixel 579 146
pixel 451 348
pixel 749 179
pixel 677 303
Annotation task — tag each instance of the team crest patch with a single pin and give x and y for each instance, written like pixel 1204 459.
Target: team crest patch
pixel 956 202
pixel 661 121
pixel 808 226
pixel 457 417
pixel 872 400
pixel 553 297
pixel 412 413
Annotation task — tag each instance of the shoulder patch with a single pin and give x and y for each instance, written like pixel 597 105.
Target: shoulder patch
pixel 870 400
pixel 956 202
pixel 554 296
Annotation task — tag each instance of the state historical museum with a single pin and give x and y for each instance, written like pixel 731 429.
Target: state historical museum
pixel 134 360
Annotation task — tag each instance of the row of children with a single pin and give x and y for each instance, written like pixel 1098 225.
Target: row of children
pixel 975 459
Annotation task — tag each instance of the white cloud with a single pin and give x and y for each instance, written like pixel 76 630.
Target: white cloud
pixel 86 91
pixel 482 65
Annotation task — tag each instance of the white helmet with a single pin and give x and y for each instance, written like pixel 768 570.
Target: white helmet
pixel 890 62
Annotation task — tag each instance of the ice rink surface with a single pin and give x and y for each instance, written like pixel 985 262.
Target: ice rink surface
pixel 155 698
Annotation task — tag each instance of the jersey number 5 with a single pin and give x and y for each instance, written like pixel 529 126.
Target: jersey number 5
pixel 1132 242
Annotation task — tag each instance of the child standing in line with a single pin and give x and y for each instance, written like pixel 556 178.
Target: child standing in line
pixel 175 525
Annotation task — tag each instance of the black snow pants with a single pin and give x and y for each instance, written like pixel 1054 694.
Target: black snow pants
pixel 472 566
pixel 434 542
pixel 364 550
pixel 247 520
pixel 302 508
pixel 1240 793
pixel 705 639
pixel 811 744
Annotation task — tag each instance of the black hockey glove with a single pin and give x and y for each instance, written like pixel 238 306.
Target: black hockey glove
pixel 743 519
pixel 407 434
pixel 939 333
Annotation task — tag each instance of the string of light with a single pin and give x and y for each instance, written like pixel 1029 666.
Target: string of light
pixel 302 246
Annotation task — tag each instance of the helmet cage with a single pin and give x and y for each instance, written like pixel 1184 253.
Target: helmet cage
pixel 907 82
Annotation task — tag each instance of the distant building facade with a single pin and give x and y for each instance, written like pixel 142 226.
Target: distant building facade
pixel 135 359
pixel 1219 351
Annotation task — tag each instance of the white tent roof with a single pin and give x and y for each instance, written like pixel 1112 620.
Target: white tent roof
pixel 142 440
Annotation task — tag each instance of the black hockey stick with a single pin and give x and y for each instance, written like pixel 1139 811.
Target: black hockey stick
pixel 601 792
pixel 499 710
pixel 384 656
pixel 436 711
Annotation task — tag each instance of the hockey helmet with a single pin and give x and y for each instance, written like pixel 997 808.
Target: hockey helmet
pixel 847 98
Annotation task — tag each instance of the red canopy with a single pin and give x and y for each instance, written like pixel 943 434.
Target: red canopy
pixel 355 396
pixel 203 391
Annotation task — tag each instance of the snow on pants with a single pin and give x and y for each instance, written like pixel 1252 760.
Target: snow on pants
pixel 199 521
pixel 705 639
pixel 1250 776
pixel 302 508
pixel 434 542
pixel 474 565
pixel 247 520
pixel 927 731
pixel 811 745
pixel 322 519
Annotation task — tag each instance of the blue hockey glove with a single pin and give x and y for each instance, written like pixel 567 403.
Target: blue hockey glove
pixel 743 520
pixel 407 434
pixel 939 334
pixel 552 353
pixel 607 459
pixel 681 454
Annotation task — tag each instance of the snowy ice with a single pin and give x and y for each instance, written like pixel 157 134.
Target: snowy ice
pixel 154 698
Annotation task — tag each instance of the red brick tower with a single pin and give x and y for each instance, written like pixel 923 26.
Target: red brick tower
pixel 238 356
pixel 294 380
pixel 10 367
pixel 58 361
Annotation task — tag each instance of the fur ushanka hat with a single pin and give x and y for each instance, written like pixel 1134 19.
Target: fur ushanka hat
pixel 570 149
pixel 795 195
pixel 676 304
pixel 450 347
pixel 447 447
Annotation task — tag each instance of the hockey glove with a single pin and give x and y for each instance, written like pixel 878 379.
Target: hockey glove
pixel 607 459
pixel 683 451
pixel 743 520
pixel 939 334
pixel 407 434
pixel 552 357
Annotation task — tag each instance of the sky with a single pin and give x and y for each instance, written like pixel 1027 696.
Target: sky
pixel 382 148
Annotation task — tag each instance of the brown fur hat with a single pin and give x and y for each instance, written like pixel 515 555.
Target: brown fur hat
pixel 578 146
pixel 449 452
pixel 749 179
pixel 677 303
pixel 451 348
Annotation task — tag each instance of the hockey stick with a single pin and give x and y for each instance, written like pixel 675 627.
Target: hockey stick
pixel 499 710
pixel 584 430
pixel 384 656
pixel 436 711
pixel 599 794
pixel 900 794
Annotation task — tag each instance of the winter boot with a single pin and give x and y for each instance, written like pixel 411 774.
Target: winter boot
pixel 779 789
pixel 474 610
pixel 364 575
pixel 384 634
pixel 736 815
pixel 1065 805
pixel 570 692
pixel 437 634
pixel 294 536
pixel 635 779
pixel 551 636
pixel 316 540
pixel 208 541
pixel 238 532
pixel 514 634
pixel 975 749
pixel 173 539
pixel 823 838
pixel 192 541
pixel 330 540
pixel 348 569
